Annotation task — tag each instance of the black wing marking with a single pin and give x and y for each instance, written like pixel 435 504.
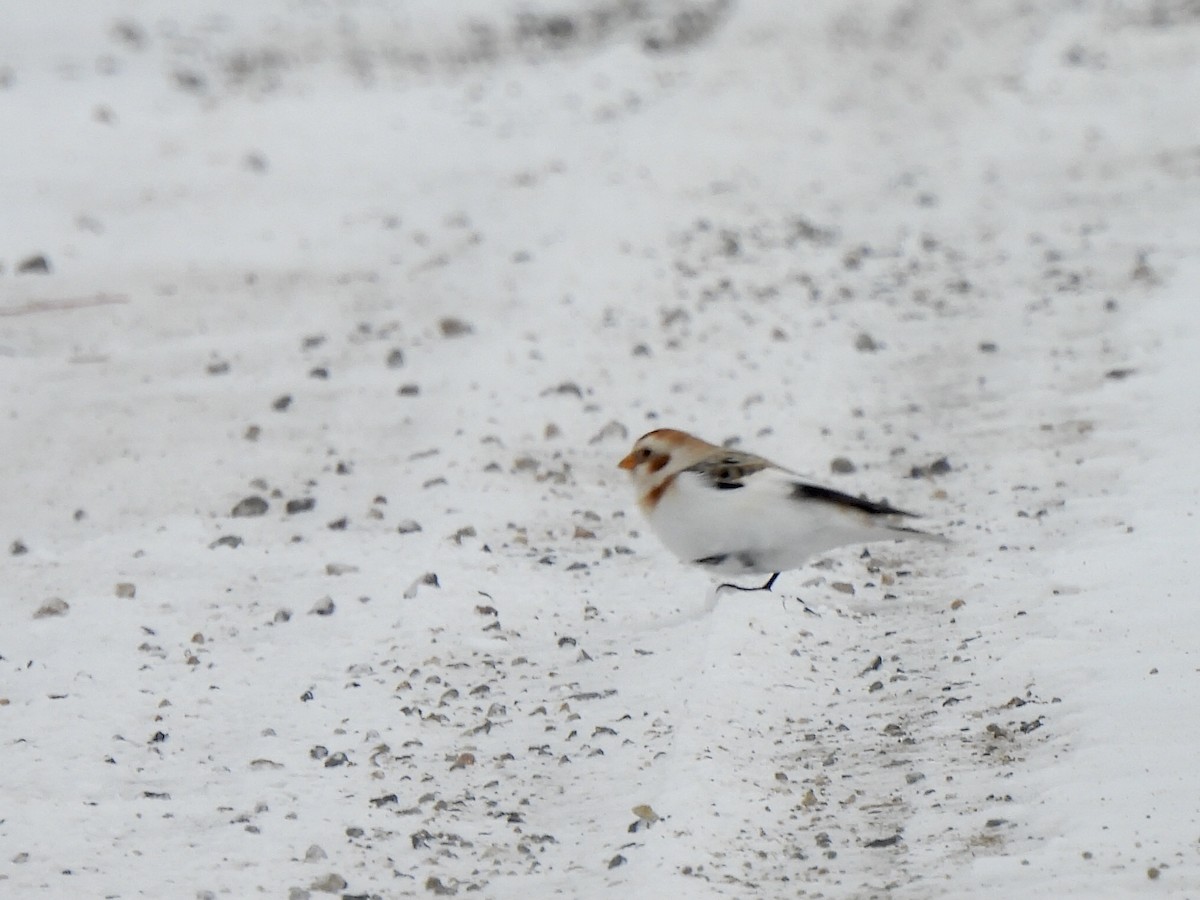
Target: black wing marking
pixel 802 491
pixel 729 471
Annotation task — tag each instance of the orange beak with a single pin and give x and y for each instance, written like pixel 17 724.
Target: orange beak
pixel 628 462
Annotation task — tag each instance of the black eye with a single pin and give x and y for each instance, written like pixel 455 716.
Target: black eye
pixel 644 453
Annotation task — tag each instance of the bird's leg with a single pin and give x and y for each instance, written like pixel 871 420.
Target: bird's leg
pixel 738 587
pixel 766 587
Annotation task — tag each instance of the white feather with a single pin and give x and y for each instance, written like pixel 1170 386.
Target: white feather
pixel 760 527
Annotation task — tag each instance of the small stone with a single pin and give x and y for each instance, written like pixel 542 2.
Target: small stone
pixel 408 526
pixel 320 372
pixel 467 531
pixel 333 760
pixel 552 431
pixel 617 860
pixel 340 569
pixel 843 587
pixel 126 590
pixel 865 343
pixel 566 387
pixel 434 885
pixel 1152 873
pixel 395 358
pixel 217 367
pixel 452 327
pixel 252 433
pixel 429 578
pixel 298 894
pixel 839 465
pixel 957 604
pixel 940 466
pixel 610 431
pixel 55 606
pixel 281 403
pixel 584 534
pixel 329 884
pixel 880 843
pixel 987 347
pixel 463 760
pixel 300 504
pixel 229 540
pixel 17 548
pixel 409 390
pixel 250 506
pixel 525 464
pixel 323 607
pixel 34 265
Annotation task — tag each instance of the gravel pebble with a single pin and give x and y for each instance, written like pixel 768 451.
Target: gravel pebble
pixel 323 607
pixel 329 884
pixel 839 465
pixel 429 578
pixel 613 429
pixel 865 343
pixel 55 606
pixel 250 506
pixel 452 326
pixel 34 265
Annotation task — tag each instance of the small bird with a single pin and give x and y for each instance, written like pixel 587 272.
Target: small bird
pixel 736 513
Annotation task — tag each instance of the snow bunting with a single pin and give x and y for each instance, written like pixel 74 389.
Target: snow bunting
pixel 735 513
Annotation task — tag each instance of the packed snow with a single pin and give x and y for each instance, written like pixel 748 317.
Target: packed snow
pixel 324 325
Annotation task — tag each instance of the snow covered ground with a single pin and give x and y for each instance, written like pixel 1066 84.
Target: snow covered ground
pixel 416 274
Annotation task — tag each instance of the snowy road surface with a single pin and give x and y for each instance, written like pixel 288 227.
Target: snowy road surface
pixel 323 326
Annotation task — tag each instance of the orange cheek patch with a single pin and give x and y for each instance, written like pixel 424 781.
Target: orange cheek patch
pixel 655 494
pixel 657 462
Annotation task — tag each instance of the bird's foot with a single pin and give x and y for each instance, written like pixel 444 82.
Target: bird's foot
pixel 761 587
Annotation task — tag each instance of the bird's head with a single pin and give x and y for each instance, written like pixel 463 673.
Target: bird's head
pixel 660 454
